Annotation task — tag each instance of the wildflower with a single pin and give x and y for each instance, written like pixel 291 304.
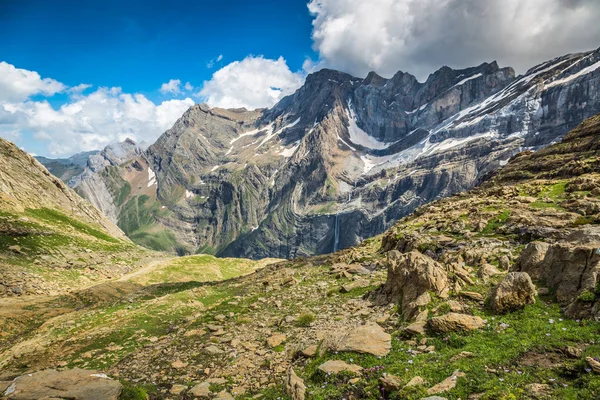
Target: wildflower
pixel 551 320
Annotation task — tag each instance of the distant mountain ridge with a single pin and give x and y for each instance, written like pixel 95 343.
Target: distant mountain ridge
pixel 339 160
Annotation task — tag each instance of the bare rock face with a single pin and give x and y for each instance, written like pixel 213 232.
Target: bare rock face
pixel 514 292
pixel 453 322
pixel 70 384
pixel 570 267
pixel 294 386
pixel 410 278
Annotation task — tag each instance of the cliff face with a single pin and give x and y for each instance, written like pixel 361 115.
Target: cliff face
pixel 338 161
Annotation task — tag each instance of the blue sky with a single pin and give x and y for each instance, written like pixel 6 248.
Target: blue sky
pixel 138 45
pixel 79 75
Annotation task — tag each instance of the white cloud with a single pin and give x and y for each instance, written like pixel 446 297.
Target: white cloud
pixel 254 82
pixel 173 86
pixel 419 36
pixel 86 121
pixel 19 84
pixel 189 87
pixel 214 61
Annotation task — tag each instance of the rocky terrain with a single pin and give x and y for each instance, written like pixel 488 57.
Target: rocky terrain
pixel 488 294
pixel 339 161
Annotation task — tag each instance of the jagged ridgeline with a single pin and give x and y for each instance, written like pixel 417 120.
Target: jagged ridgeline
pixel 50 238
pixel 338 161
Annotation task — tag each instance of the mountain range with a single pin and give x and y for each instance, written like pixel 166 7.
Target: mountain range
pixel 338 161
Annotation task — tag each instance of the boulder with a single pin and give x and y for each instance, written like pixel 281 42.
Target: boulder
pixel 411 276
pixel 366 339
pixel 294 386
pixel 337 366
pixel 69 384
pixel 514 292
pixel 455 322
pixel 416 328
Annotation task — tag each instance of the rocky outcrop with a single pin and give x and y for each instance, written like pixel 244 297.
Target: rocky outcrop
pixel 571 268
pixel 69 384
pixel 410 278
pixel 514 292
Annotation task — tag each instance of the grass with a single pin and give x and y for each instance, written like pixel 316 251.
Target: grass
pixel 496 348
pixel 496 222
pixel 305 320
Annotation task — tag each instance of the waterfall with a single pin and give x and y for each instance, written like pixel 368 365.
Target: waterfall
pixel 336 233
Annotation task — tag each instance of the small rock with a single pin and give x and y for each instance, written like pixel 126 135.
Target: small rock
pixel 212 350
pixel 337 366
pixel 276 339
pixel 369 338
pixel 595 365
pixel 179 364
pixel 224 395
pixel 416 328
pixel 447 384
pixel 472 295
pixel 455 322
pixel 390 382
pixel 178 389
pixel 538 390
pixel 310 351
pixel 294 386
pixel 201 390
pixel 354 285
pixel 416 381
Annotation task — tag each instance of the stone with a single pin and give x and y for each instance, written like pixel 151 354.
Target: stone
pixel 453 322
pixel 538 390
pixel 514 292
pixel 212 350
pixel 572 352
pixel 595 365
pixel 366 339
pixel 472 295
pixel 294 386
pixel 487 271
pixel 361 283
pixel 455 306
pixel 201 390
pixel 434 398
pixel 179 364
pixel 178 389
pixel 447 384
pixel 276 339
pixel 416 328
pixel 310 351
pixel 73 383
pixel 410 276
pixel 224 395
pixel 390 383
pixel 416 381
pixel 337 366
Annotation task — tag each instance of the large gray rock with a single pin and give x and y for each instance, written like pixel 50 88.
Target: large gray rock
pixel 69 384
pixel 514 292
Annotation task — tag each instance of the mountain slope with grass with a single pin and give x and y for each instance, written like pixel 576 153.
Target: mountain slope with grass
pixel 50 238
pixel 489 294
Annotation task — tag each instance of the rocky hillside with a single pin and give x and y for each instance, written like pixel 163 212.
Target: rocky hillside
pixel 489 294
pixel 51 238
pixel 340 160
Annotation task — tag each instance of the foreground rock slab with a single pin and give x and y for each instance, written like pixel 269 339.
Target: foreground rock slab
pixel 369 339
pixel 70 384
pixel 453 322
pixel 337 366
pixel 514 292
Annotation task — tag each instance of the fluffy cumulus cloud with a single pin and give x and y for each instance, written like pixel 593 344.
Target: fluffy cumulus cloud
pixel 19 84
pixel 85 121
pixel 419 36
pixel 254 82
pixel 173 86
